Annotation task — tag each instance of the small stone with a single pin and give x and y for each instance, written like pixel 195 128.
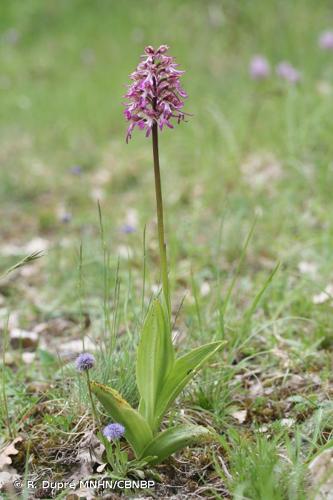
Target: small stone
pixel 287 422
pixel 306 267
pixel 36 245
pixel 205 289
pixel 28 357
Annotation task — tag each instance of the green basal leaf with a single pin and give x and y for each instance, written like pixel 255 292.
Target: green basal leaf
pixel 137 431
pixel 182 372
pixel 168 442
pixel 155 359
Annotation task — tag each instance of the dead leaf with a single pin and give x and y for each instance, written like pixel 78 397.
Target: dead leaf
pixel 23 339
pixel 89 455
pixel 90 443
pixel 306 267
pixel 101 468
pixel 55 327
pixel 321 475
pixel 256 389
pixel 7 477
pixel 240 416
pixel 8 452
pixel 324 296
pixel 75 346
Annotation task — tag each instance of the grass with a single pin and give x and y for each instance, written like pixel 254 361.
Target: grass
pixel 251 151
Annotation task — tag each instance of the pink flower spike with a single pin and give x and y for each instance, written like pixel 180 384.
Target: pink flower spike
pixel 259 68
pixel 287 72
pixel 326 40
pixel 155 94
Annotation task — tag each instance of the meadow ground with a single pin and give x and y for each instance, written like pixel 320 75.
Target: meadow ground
pixel 254 159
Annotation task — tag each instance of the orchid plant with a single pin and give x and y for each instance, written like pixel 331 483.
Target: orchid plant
pixel 155 99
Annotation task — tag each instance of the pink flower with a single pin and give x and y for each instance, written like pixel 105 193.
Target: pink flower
pixel 155 94
pixel 326 40
pixel 259 68
pixel 286 71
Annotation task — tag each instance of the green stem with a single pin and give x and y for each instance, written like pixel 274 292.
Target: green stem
pixel 4 391
pixel 93 407
pixel 160 221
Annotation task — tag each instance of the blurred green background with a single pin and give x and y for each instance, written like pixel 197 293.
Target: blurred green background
pixel 250 147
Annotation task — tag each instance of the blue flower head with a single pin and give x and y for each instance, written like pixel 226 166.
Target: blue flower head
pixel 76 170
pixel 127 229
pixel 85 361
pixel 113 431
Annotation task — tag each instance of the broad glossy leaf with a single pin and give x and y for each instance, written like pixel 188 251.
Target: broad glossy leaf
pixel 155 359
pixel 137 431
pixel 182 372
pixel 173 439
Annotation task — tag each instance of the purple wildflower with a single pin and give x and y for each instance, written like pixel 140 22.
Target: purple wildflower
pixel 84 361
pixel 286 71
pixel 127 229
pixel 113 431
pixel 65 217
pixel 155 94
pixel 326 40
pixel 259 68
pixel 76 170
